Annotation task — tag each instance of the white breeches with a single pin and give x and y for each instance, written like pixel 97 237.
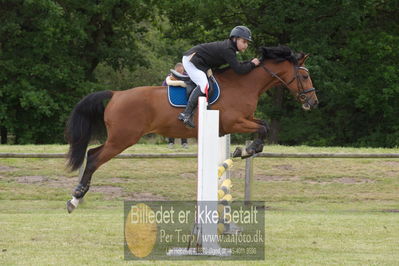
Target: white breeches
pixel 196 75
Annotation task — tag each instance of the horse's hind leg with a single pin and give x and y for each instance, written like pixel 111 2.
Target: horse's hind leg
pixel 95 158
pixel 85 178
pixel 84 182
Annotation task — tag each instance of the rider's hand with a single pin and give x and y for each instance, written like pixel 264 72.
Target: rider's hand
pixel 255 61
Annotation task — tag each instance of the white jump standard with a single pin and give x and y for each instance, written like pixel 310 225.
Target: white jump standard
pixel 207 190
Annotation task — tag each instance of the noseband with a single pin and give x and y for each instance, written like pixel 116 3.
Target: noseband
pixel 302 93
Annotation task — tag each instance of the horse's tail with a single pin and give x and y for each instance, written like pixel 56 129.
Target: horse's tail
pixel 86 122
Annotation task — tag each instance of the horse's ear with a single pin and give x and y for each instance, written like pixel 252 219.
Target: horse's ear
pixel 303 58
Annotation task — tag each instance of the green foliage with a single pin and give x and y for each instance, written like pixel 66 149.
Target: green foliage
pixel 48 52
pixel 52 53
pixel 353 62
pixel 158 51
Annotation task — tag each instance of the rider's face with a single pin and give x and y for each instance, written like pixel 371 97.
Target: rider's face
pixel 180 69
pixel 242 44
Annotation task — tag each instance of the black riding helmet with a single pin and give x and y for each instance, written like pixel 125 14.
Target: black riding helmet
pixel 242 32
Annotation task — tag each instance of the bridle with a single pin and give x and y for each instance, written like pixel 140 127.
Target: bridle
pixel 302 94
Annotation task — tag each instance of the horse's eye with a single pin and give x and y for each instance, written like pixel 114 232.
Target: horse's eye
pixel 302 97
pixel 305 76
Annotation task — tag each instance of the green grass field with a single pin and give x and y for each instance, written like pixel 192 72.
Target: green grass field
pixel 320 211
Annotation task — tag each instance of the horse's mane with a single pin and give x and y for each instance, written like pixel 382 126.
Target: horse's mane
pixel 279 54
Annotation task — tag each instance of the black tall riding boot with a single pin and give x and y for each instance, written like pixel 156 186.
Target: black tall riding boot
pixel 187 115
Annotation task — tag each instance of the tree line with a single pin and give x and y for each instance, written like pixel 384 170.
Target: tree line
pixel 54 52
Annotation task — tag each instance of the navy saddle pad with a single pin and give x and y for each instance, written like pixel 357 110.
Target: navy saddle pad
pixel 178 98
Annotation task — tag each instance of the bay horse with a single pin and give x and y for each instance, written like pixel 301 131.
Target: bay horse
pixel 130 114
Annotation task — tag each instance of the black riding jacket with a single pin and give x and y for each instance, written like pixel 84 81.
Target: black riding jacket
pixel 215 54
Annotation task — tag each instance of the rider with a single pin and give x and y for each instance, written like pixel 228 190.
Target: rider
pixel 202 57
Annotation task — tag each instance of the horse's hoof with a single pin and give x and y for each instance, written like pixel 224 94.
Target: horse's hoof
pixel 246 154
pixel 70 206
pixel 237 152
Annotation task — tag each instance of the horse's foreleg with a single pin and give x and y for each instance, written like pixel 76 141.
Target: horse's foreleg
pixel 257 144
pixel 254 125
pixel 264 124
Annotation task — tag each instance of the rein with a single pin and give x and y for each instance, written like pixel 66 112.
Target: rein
pixel 302 94
pixel 277 77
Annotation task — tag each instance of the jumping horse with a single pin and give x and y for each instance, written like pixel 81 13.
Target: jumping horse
pixel 130 114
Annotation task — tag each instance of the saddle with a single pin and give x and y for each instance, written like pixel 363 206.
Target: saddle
pixel 178 96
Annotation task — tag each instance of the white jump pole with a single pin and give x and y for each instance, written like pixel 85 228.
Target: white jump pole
pixel 208 157
pixel 208 152
pixel 207 190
